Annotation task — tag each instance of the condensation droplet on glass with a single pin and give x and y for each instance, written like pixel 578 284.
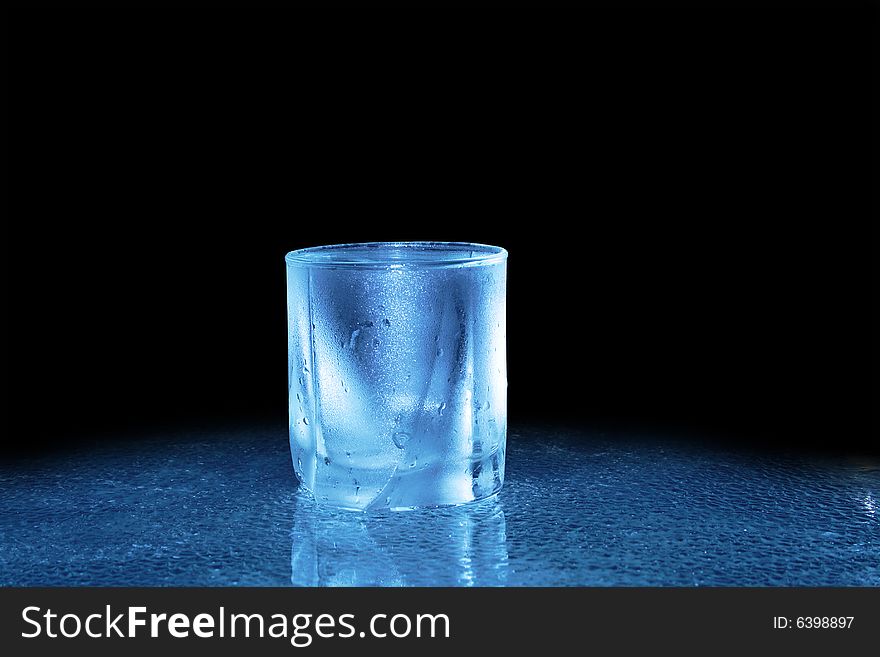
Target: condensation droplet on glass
pixel 441 408
pixel 400 439
pixel 386 322
pixel 326 460
pixel 305 420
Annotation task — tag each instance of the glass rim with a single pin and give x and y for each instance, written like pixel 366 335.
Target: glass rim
pixel 340 255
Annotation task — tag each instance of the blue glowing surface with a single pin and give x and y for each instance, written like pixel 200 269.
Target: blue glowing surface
pixel 586 509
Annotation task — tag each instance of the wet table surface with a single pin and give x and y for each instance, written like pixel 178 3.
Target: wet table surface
pixel 577 509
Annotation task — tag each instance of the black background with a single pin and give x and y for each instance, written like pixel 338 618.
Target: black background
pixel 684 197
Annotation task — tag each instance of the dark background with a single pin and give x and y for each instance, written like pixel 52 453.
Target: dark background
pixel 685 198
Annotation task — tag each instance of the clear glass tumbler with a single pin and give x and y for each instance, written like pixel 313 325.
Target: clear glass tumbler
pixel 398 372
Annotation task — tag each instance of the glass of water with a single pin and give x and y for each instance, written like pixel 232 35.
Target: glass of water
pixel 397 372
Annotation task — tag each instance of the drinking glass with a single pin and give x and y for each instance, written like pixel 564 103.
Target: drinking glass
pixel 397 372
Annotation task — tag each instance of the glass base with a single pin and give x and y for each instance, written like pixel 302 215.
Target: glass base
pixel 402 487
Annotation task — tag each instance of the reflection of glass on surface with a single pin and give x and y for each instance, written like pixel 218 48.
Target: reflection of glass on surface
pixel 453 546
pixel 397 372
